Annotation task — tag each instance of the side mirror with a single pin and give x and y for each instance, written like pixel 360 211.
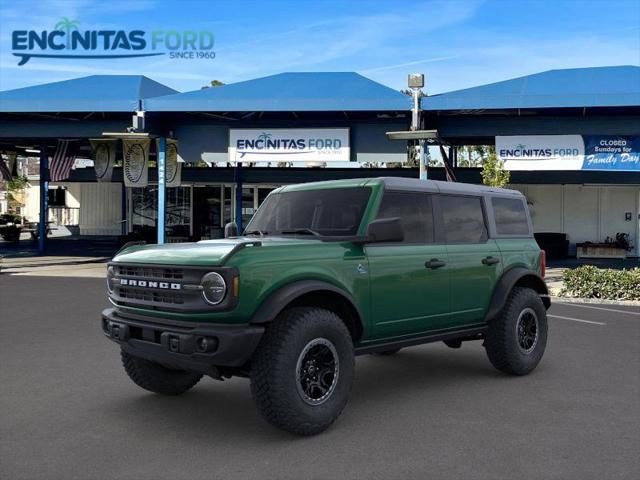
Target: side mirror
pixel 385 230
pixel 230 230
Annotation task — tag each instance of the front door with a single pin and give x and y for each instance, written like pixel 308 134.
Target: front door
pixel 474 260
pixel 409 280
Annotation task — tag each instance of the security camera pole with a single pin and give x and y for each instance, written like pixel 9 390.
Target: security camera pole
pixel 416 83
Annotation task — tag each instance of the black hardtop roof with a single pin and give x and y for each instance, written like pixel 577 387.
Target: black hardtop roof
pixel 395 183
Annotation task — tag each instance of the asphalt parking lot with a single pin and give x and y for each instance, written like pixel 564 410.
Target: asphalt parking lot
pixel 69 412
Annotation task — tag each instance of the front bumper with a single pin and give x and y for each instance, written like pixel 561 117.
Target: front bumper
pixel 187 346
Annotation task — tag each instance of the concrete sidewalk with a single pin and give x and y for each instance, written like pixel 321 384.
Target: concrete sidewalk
pixel 55 266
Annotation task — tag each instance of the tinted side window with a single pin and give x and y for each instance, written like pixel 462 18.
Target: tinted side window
pixel 414 210
pixel 511 216
pixel 463 219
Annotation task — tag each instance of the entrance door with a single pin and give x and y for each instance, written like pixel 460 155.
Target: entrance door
pixel 409 280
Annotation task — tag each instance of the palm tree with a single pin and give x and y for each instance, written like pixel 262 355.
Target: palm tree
pixel 67 25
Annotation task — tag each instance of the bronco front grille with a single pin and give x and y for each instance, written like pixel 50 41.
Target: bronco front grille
pixel 159 297
pixel 159 273
pixel 163 288
pixel 156 286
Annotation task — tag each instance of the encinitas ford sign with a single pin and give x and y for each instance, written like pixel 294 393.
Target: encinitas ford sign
pixel 569 152
pixel 541 152
pixel 289 145
pixel 67 41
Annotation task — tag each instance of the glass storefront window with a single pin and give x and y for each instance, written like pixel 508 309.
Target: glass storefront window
pixel 247 205
pixel 144 210
pixel 207 211
pixel 178 219
pixel 144 207
pixel 213 207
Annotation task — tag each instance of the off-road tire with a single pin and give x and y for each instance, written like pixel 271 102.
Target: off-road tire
pixel 156 378
pixel 385 353
pixel 275 378
pixel 502 341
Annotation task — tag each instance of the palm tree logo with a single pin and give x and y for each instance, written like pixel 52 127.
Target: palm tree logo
pixel 264 137
pixel 67 25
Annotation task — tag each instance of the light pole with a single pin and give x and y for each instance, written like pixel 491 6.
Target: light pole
pixel 415 82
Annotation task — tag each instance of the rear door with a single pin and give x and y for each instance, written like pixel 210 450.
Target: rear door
pixel 474 259
pixel 409 279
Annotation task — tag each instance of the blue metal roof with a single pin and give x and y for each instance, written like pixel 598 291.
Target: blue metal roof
pixel 96 93
pixel 576 87
pixel 286 92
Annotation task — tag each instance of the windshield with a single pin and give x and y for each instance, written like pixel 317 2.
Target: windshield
pixel 326 212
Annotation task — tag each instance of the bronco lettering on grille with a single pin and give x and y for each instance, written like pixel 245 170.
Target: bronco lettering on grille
pixel 148 284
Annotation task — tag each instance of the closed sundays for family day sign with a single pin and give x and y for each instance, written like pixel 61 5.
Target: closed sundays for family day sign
pixel 289 145
pixel 569 152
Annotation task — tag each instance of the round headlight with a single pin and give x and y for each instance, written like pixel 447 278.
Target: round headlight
pixel 214 288
pixel 110 274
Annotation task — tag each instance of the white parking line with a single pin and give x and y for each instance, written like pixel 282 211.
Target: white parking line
pixel 599 308
pixel 576 320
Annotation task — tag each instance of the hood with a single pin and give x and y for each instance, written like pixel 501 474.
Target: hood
pixel 205 252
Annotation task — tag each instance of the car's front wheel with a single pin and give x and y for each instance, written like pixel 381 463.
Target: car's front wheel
pixel 302 371
pixel 517 338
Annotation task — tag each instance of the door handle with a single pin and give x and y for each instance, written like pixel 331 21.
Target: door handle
pixel 490 260
pixel 434 263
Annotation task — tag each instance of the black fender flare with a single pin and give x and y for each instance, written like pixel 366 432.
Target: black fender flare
pixel 505 285
pixel 282 297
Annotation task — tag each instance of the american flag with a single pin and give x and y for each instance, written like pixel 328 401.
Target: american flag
pixel 62 161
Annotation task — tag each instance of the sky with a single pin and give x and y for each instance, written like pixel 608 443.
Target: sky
pixel 456 44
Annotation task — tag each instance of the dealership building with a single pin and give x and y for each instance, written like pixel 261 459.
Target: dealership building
pixel 571 139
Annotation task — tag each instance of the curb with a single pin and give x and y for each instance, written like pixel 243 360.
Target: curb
pixel 597 301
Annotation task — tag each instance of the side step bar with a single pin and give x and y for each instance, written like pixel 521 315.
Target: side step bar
pixel 475 333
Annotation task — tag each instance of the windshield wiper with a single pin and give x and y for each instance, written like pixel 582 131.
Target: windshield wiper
pixel 256 232
pixel 301 231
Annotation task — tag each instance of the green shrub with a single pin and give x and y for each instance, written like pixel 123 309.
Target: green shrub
pixel 592 282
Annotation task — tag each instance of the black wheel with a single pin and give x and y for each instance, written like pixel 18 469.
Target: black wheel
pixel 302 371
pixel 156 378
pixel 517 338
pixel 385 353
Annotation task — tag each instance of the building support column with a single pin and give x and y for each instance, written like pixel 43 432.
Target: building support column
pixel 424 159
pixel 162 157
pixel 237 173
pixel 44 200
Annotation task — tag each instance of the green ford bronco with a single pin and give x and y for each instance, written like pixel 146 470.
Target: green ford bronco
pixel 326 271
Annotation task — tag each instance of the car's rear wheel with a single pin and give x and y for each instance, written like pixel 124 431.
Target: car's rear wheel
pixel 517 338
pixel 302 371
pixel 157 378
